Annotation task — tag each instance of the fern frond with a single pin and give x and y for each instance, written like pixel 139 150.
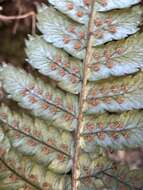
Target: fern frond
pixel 61 31
pixel 120 94
pixel 79 10
pixel 118 178
pixel 116 25
pixel 111 4
pixel 72 37
pixel 76 9
pixel 26 134
pixel 91 164
pixel 117 58
pixel 55 63
pixel 10 180
pixel 25 171
pixel 44 101
pixel 116 131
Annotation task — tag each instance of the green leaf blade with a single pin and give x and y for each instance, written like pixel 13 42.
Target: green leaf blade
pixel 36 138
pixel 117 58
pixel 111 4
pixel 77 10
pixel 113 25
pixel 115 95
pixel 55 63
pixel 43 100
pixel 115 131
pixel 62 32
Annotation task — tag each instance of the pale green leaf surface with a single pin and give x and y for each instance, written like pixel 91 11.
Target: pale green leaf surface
pixel 55 63
pixel 115 94
pixel 116 131
pixel 117 178
pixel 72 8
pixel 35 174
pixel 62 32
pixel 117 58
pixel 49 144
pixel 42 99
pixel 107 5
pixel 54 161
pixel 38 174
pixel 90 164
pixel 11 182
pixel 116 24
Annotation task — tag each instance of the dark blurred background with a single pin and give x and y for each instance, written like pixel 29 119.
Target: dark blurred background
pixel 14 32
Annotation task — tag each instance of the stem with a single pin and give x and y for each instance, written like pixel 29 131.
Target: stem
pixel 29 14
pixel 7 18
pixel 82 98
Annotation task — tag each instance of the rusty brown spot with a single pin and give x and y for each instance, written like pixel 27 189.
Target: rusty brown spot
pixel 79 13
pixel 71 28
pixel 45 106
pixel 95 102
pixel 32 99
pixel 66 39
pixel 27 130
pixel 101 136
pixel 124 88
pixel 77 45
pixel 62 72
pixel 81 35
pixel 101 125
pixel 24 92
pixel 61 157
pixel 109 65
pixel 87 2
pixel 64 147
pixel 114 135
pixel 104 2
pixel 32 143
pixel 96 67
pixel 53 67
pixel 67 117
pixel 51 141
pixel 98 22
pixel 45 150
pixel 90 138
pixel 58 101
pixel 108 21
pixel 126 135
pixel 90 127
pixel 119 51
pixel 70 6
pixel 99 34
pixel 114 88
pixel 120 100
pixel 112 29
